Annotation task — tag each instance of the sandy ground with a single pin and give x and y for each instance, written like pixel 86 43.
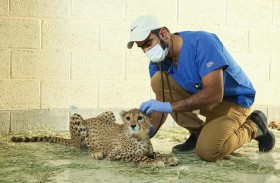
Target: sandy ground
pixel 164 146
pixel 78 167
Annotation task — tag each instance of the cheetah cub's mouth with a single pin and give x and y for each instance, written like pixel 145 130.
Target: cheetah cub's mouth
pixel 134 128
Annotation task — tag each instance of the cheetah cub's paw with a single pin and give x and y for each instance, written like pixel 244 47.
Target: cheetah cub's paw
pixel 172 161
pixel 97 155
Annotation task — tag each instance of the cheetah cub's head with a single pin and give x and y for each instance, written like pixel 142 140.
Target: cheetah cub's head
pixel 138 124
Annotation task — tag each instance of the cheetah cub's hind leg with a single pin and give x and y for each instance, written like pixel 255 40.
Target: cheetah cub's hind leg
pixel 78 131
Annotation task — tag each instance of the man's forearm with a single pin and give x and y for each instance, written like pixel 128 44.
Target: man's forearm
pixel 204 98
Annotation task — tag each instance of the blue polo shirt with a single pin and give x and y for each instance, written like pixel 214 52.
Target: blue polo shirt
pixel 200 54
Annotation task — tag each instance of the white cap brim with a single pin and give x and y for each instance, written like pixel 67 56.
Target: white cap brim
pixel 137 36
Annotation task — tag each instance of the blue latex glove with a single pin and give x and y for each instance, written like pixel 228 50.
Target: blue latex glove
pixel 154 105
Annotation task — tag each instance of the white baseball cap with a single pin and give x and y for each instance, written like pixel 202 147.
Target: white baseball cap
pixel 142 27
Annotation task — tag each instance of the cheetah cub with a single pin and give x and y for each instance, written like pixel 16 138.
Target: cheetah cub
pixel 104 137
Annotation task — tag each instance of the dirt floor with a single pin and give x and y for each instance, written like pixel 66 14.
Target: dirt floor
pixel 44 162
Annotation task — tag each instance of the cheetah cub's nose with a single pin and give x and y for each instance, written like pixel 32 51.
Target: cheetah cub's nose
pixel 132 126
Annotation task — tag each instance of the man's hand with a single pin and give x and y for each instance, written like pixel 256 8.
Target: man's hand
pixel 154 105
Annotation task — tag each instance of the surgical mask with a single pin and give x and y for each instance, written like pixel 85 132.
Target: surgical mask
pixel 157 53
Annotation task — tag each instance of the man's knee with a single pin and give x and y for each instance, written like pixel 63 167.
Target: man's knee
pixel 208 153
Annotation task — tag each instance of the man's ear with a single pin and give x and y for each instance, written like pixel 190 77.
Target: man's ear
pixel 163 33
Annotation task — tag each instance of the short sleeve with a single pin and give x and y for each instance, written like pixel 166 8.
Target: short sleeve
pixel 165 65
pixel 152 69
pixel 209 54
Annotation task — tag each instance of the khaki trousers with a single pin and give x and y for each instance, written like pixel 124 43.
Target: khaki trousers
pixel 225 129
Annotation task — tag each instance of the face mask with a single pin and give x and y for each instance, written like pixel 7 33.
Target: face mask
pixel 157 54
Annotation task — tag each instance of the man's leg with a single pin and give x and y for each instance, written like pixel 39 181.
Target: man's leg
pixel 226 129
pixel 188 120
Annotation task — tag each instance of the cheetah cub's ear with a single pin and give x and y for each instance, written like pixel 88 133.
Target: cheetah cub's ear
pixel 122 114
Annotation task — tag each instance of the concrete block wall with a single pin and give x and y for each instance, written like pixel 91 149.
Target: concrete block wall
pixel 55 54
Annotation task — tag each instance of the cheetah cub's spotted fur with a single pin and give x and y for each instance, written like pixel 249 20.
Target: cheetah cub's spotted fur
pixel 104 137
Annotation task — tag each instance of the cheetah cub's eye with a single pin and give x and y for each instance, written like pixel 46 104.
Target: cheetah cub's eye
pixel 140 118
pixel 127 118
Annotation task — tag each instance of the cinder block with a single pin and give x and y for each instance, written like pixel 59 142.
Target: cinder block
pixel 202 12
pixel 249 13
pixel 275 68
pixel 264 40
pixel 4 7
pixel 4 122
pixel 40 8
pixel 55 120
pixel 137 66
pixel 98 10
pixel 19 33
pixel 165 10
pixel 63 94
pixel 90 113
pixel 40 64
pixel 25 33
pixel 235 39
pixel 123 94
pixel 276 13
pixel 256 66
pixel 98 65
pixel 114 36
pixel 19 94
pixel 4 64
pixel 70 34
pixel 274 113
pixel 267 94
pixel 5 33
pixel 178 27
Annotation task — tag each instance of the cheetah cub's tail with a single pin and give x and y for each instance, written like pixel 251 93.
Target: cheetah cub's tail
pixel 58 140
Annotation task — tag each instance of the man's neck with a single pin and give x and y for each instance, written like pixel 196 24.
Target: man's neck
pixel 175 45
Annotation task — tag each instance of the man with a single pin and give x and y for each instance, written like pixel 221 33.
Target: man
pixel 200 74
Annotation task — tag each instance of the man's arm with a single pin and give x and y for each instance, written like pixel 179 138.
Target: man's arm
pixel 212 93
